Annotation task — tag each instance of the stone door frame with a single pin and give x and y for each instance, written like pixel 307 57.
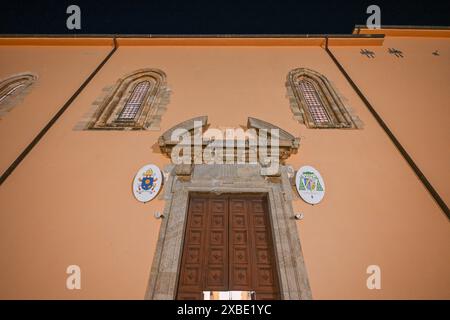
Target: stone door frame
pixel 219 179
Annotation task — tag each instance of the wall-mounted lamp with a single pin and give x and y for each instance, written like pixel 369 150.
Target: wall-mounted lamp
pixel 158 215
pixel 299 216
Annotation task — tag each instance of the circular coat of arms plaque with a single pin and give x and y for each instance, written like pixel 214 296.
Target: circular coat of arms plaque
pixel 147 183
pixel 310 185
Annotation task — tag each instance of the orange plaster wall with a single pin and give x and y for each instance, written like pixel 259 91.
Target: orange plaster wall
pixel 61 70
pixel 70 202
pixel 411 95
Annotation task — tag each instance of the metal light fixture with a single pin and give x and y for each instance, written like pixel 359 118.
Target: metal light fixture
pixel 299 216
pixel 158 215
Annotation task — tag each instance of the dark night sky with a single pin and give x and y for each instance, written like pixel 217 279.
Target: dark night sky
pixel 215 17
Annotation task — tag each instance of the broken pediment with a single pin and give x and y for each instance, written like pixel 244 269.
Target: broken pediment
pixel 286 139
pixel 200 144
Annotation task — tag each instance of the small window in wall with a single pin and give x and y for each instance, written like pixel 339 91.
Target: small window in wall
pixel 13 89
pixel 315 102
pixel 136 102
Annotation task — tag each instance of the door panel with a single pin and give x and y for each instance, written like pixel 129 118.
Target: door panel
pixel 216 265
pixel 264 271
pixel 228 246
pixel 240 259
pixel 191 275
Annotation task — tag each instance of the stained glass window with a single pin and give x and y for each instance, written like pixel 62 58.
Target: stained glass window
pixel 315 102
pixel 132 106
pixel 135 102
pixel 11 91
pixel 315 105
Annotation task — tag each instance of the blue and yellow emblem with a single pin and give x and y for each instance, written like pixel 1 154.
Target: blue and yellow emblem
pixel 147 181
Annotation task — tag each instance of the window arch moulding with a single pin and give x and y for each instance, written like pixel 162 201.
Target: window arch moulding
pixel 14 89
pixel 315 102
pixel 136 102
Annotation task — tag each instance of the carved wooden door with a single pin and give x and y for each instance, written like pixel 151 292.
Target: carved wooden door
pixel 228 246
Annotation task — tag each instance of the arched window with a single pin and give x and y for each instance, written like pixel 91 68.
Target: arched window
pixel 315 102
pixel 12 88
pixel 135 102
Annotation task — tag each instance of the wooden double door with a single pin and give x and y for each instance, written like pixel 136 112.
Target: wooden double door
pixel 228 246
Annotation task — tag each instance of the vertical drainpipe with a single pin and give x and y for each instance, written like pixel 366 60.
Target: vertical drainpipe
pixel 389 133
pixel 55 118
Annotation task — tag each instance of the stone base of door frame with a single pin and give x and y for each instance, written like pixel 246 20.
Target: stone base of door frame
pixel 292 275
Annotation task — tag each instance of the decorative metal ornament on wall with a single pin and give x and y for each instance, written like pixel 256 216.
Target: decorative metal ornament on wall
pixel 310 185
pixel 147 183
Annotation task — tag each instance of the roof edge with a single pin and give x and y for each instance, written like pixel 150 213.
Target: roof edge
pixel 190 40
pixel 205 36
pixel 405 31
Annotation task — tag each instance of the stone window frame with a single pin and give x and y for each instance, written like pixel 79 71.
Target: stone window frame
pixel 339 115
pixel 106 116
pixel 242 179
pixel 13 89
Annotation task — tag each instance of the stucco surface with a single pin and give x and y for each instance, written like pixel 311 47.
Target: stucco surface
pixel 411 95
pixel 70 201
pixel 60 70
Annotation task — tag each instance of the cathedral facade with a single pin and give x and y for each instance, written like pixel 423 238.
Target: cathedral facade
pixel 223 128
